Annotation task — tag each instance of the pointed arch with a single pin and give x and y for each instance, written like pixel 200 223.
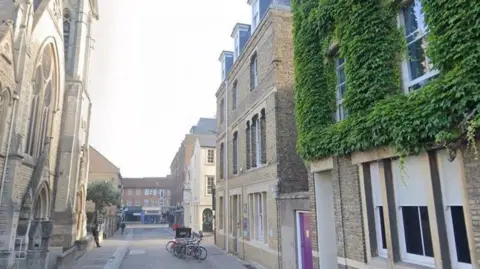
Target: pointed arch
pixel 41 204
pixel 6 102
pixel 45 98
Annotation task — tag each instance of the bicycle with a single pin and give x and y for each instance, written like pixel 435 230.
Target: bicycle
pixel 187 247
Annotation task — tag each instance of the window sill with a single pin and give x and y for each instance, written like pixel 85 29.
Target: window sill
pixel 258 167
pixel 381 263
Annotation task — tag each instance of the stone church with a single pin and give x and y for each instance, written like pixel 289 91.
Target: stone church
pixel 45 48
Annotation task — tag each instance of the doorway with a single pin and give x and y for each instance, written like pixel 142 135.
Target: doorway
pixel 304 241
pixel 236 221
pixel 207 217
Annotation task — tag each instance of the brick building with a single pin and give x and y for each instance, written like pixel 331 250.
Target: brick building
pixel 146 197
pixel 256 141
pixel 373 209
pixel 45 49
pixel 179 165
pixel 101 168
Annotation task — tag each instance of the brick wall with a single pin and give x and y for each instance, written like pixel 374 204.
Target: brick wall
pixel 142 197
pixel 348 210
pixel 472 177
pixel 272 42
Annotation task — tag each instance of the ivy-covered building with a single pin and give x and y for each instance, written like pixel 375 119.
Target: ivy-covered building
pixel 387 94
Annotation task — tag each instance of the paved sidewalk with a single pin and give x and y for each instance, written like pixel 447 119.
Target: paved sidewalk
pixel 221 260
pixel 108 256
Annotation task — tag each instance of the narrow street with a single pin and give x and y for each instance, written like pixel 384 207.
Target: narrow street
pixel 147 251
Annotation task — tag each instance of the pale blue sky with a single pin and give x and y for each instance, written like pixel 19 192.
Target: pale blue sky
pixel 153 73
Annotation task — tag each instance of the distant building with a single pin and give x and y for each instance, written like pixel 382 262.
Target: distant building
pixel 145 199
pixel 101 168
pixel 200 181
pixel 179 165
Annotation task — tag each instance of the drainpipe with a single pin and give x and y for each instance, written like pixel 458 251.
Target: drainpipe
pixel 225 175
pixel 7 153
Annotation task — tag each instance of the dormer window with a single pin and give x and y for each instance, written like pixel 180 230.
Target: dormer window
pixel 240 34
pixel 223 70
pixel 237 46
pixel 255 15
pixel 226 59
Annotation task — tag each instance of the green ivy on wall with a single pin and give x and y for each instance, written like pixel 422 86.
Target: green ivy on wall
pixel 443 111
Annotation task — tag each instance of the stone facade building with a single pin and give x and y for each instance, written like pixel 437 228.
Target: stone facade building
pixel 45 49
pixel 375 208
pixel 261 181
pixel 198 212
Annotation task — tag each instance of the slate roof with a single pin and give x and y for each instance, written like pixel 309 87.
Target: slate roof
pixel 204 126
pixel 207 141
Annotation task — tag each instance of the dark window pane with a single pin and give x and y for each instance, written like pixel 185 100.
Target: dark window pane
pixel 460 234
pixel 382 227
pixel 411 224
pixel 427 237
pixel 417 59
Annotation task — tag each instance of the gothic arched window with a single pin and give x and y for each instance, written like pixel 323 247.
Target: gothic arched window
pixel 66 32
pixel 41 106
pixel 36 4
pixel 5 104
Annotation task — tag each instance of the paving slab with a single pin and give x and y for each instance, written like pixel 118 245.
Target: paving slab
pixel 108 256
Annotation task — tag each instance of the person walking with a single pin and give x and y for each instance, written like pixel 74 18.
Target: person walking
pixel 123 227
pixel 95 235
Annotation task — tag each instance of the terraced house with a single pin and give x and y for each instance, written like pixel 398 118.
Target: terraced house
pixel 45 51
pixel 394 173
pixel 261 181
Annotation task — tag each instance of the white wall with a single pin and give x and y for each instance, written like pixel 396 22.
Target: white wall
pixel 199 172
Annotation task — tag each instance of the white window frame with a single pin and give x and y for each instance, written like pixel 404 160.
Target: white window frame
pixel 154 192
pixel 208 190
pixel 421 33
pixel 223 69
pixel 129 202
pixel 255 15
pixel 453 192
pixel 137 202
pixel 259 217
pixel 146 202
pixel 146 191
pixel 208 156
pixel 340 115
pixel 129 192
pixel 378 205
pixel 405 256
pixel 236 52
pixel 258 142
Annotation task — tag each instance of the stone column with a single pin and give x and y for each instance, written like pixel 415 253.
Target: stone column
pixel 39 241
pixel 66 186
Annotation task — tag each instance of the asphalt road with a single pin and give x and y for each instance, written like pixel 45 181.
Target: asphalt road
pixel 147 251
